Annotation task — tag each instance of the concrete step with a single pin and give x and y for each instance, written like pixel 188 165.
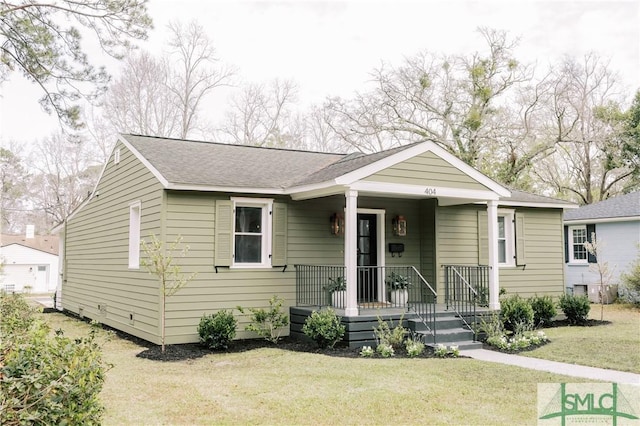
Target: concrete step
pixel 442 323
pixel 453 335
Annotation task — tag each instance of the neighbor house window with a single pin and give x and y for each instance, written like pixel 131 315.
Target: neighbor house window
pixel 116 156
pixel 577 238
pixel 506 238
pixel 134 235
pixel 252 232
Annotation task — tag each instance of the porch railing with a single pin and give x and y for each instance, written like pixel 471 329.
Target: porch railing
pixel 376 289
pixel 466 287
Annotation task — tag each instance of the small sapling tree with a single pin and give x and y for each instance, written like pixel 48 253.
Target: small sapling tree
pixel 160 261
pixel 601 268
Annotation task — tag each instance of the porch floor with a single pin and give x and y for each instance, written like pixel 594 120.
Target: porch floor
pixel 359 329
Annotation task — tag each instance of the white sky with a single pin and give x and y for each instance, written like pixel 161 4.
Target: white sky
pixel 329 47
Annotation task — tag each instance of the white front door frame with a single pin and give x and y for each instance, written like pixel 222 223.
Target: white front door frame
pixel 380 253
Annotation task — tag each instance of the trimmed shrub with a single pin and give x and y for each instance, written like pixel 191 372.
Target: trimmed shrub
pixel 217 330
pixel 47 378
pixel 324 328
pixel 543 310
pixel 575 308
pixel 516 314
pixel 268 323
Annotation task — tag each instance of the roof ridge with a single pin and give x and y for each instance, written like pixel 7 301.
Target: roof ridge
pixel 233 145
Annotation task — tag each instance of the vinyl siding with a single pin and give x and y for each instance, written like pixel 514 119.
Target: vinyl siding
pixel 457 244
pixel 309 241
pixel 426 169
pixel 620 248
pixel 98 279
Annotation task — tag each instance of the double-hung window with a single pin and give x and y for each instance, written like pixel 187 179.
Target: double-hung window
pixel 506 238
pixel 577 237
pixel 252 232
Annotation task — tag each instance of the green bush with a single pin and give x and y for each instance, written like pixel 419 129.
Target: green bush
pixel 629 290
pixel 46 378
pixel 386 334
pixel 324 328
pixel 217 330
pixel 575 308
pixel 543 310
pixel 268 324
pixel 516 314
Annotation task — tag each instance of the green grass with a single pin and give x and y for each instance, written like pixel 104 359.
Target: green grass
pixel 272 386
pixel 614 346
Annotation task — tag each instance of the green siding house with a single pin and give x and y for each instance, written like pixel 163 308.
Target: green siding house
pixel 262 221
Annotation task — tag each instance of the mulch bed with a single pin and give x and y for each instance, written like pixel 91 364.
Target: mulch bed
pixel 194 351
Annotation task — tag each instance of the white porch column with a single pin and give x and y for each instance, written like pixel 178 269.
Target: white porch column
pixel 351 252
pixel 494 275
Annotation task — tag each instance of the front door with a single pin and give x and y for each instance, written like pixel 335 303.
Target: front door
pixel 367 256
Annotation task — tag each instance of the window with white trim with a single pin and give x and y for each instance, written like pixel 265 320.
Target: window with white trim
pixel 116 156
pixel 506 238
pixel 252 232
pixel 134 235
pixel 577 238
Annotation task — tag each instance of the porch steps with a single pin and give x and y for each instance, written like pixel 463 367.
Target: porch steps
pixel 450 330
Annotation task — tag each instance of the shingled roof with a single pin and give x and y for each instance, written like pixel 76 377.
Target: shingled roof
pixel 627 205
pixel 185 162
pixel 193 164
pixel 46 243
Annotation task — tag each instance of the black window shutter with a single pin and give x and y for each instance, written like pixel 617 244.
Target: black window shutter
pixel 591 229
pixel 566 244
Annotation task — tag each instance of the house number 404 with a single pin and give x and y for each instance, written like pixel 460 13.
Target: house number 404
pixel 430 191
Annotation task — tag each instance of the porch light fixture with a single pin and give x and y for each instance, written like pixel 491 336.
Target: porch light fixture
pixel 337 224
pixel 399 224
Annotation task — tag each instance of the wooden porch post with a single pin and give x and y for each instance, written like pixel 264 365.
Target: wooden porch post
pixel 351 252
pixel 494 273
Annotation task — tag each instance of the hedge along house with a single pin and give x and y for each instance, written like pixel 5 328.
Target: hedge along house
pixel 263 221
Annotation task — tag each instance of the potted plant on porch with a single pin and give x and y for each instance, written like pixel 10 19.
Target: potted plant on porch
pixel 399 285
pixel 337 288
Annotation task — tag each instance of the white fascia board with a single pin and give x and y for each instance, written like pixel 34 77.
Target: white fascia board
pixel 144 161
pixel 602 220
pixel 206 188
pixel 421 148
pixel 317 192
pixel 423 190
pixel 537 205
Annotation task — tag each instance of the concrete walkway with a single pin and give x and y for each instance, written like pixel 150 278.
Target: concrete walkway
pixel 554 366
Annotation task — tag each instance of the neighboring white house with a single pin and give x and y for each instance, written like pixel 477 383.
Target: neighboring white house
pixel 616 224
pixel 30 263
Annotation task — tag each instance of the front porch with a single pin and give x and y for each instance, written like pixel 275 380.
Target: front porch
pixel 393 294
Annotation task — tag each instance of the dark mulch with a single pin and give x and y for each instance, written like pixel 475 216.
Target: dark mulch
pixel 194 351
pixel 566 323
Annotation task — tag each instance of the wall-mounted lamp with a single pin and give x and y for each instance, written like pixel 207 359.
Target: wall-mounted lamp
pixel 337 224
pixel 399 224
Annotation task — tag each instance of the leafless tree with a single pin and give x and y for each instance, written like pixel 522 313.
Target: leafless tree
pixel 587 164
pixel 139 101
pixel 261 115
pixel 15 183
pixel 452 100
pixel 194 73
pixel 64 174
pixel 163 96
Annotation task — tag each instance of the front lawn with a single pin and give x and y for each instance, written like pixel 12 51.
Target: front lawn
pixel 275 386
pixel 614 345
